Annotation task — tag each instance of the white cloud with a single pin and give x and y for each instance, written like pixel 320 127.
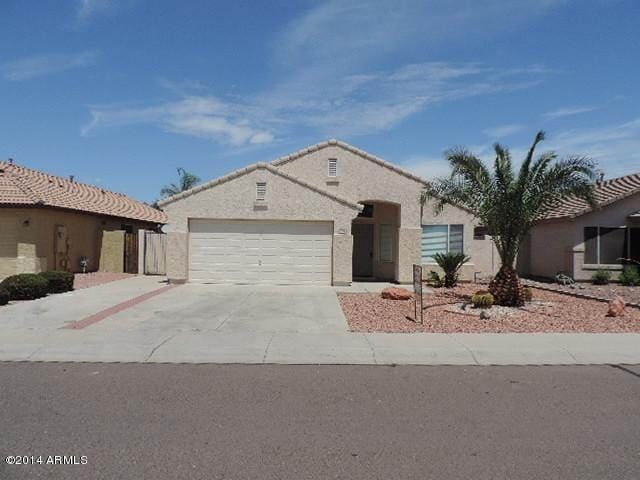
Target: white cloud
pixel 502 131
pixel 340 32
pixel 569 111
pixel 198 116
pixel 89 8
pixel 377 101
pixel 616 147
pixel 426 166
pixel 39 65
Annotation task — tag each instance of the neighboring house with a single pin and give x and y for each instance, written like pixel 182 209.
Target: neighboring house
pixel 578 240
pixel 324 215
pixel 49 223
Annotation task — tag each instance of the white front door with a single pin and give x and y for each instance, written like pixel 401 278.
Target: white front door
pixel 260 252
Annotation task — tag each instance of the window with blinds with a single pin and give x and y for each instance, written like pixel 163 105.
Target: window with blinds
pixel 261 191
pixel 333 167
pixel 386 243
pixel 441 239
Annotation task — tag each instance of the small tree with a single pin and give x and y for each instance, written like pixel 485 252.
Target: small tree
pixel 508 204
pixel 186 182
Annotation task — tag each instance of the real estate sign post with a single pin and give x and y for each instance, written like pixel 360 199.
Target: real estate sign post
pixel 417 291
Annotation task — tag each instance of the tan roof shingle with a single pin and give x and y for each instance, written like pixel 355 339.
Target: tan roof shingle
pixel 25 186
pixel 606 192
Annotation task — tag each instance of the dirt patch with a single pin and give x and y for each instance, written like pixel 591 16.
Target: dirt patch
pixel 444 313
pixel 86 280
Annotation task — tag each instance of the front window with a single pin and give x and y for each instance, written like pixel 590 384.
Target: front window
pixel 386 243
pixel 441 239
pixel 610 245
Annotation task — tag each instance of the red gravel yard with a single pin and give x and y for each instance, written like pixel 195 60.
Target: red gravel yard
pixel 444 313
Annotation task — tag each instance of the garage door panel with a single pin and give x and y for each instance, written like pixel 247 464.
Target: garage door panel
pixel 258 252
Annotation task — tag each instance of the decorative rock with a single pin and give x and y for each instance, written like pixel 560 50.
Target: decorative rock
pixel 616 307
pixel 484 315
pixel 396 293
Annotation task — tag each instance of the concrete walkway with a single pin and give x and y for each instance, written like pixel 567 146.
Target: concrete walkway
pixel 213 324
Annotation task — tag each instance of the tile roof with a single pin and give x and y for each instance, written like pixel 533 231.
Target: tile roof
pixel 606 192
pixel 25 186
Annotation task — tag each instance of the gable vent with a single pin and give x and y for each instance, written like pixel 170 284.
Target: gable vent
pixel 261 191
pixel 333 167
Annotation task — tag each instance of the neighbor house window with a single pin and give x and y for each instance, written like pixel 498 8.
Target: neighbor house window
pixel 261 191
pixel 609 245
pixel 333 167
pixel 441 239
pixel 386 243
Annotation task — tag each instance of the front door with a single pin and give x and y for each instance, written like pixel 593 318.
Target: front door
pixel 362 249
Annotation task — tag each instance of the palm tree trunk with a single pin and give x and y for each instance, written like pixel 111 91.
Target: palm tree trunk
pixel 507 288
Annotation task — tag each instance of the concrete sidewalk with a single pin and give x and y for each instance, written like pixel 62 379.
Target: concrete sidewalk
pixel 319 348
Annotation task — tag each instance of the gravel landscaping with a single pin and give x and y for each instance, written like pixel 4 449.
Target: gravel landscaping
pixel 85 280
pixel 630 294
pixel 444 313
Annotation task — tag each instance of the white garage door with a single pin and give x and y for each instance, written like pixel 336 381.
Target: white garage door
pixel 257 252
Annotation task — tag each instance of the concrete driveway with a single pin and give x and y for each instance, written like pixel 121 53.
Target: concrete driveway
pixel 234 308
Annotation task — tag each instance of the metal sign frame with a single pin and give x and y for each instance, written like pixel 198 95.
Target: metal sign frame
pixel 417 290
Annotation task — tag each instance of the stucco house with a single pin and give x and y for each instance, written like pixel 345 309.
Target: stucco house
pixel 577 240
pixel 49 222
pixel 327 214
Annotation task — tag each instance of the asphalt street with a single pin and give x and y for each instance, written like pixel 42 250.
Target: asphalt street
pixel 134 421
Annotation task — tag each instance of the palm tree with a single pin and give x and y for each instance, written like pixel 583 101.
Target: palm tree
pixel 508 205
pixel 186 181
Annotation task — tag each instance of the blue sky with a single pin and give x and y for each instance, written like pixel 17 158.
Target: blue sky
pixel 121 92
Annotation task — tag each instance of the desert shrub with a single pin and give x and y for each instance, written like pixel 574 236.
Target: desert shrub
pixel 630 276
pixel 482 299
pixel 450 263
pixel 435 280
pixel 25 286
pixel 59 281
pixel 528 294
pixel 601 277
pixel 4 296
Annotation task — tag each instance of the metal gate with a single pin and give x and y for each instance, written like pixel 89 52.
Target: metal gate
pixel 155 253
pixel 130 253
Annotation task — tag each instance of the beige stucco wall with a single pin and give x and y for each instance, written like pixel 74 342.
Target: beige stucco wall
pixel 235 200
pixel 484 260
pixel 31 248
pixel 362 180
pixel 559 246
pixel 548 247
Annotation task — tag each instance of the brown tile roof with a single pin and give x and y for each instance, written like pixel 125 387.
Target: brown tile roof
pixel 24 186
pixel 606 192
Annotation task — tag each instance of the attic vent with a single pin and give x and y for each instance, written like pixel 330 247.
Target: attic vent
pixel 261 191
pixel 333 167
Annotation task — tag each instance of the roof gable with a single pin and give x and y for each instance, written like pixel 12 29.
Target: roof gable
pixel 21 186
pixel 349 148
pixel 251 168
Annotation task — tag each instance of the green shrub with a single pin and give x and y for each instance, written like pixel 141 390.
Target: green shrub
pixel 435 280
pixel 630 276
pixel 25 286
pixel 482 299
pixel 528 294
pixel 601 277
pixel 450 263
pixel 4 296
pixel 59 281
